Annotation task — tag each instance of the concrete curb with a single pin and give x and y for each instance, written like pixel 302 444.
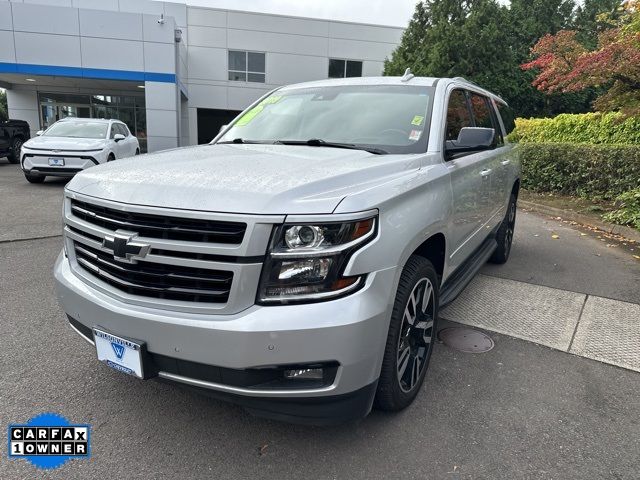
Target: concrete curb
pixel 627 232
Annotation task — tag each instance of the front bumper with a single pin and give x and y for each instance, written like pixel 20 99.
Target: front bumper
pixel 349 331
pixel 37 162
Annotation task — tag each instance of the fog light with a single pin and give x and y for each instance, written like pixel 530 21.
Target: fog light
pixel 304 374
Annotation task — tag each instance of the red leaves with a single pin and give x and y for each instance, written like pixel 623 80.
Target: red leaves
pixel 564 65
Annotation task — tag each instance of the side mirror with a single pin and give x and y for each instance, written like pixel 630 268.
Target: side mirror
pixel 472 139
pixel 118 136
pixel 39 132
pixel 222 128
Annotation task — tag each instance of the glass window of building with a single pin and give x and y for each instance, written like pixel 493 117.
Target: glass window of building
pixel 339 68
pixel 247 66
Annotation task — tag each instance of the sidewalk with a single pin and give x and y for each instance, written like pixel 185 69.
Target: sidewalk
pixel 585 325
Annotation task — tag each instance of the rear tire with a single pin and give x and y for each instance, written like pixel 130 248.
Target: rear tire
pixel 411 336
pixel 14 154
pixel 504 236
pixel 34 178
pixel 137 151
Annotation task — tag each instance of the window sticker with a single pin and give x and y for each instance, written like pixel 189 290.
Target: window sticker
pixel 255 111
pixel 415 135
pixel 250 115
pixel 417 120
pixel 271 100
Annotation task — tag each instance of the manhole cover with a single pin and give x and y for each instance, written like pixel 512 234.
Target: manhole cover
pixel 466 339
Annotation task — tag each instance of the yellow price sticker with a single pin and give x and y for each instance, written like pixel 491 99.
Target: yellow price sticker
pixel 250 115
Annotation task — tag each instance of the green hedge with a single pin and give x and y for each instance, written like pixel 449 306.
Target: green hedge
pixel 628 209
pixel 604 171
pixel 592 128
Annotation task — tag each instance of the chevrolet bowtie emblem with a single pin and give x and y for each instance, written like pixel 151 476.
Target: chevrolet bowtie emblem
pixel 124 248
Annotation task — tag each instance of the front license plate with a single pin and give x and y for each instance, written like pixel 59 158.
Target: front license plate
pixel 56 162
pixel 119 353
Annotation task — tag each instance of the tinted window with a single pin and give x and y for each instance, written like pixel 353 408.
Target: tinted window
pixel 485 116
pixel 508 117
pixel 354 69
pixel 481 111
pixel 344 68
pixel 458 115
pixel 336 68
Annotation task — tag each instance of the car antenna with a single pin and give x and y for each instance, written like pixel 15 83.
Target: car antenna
pixel 407 75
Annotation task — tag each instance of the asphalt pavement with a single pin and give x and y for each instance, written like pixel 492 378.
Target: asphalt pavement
pixel 520 411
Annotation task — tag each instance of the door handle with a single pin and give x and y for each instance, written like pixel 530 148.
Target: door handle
pixel 485 172
pixel 505 162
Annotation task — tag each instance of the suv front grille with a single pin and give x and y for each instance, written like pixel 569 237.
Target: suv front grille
pixel 156 280
pixel 162 227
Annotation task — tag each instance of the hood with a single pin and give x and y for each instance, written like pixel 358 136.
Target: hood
pixel 65 143
pixel 252 179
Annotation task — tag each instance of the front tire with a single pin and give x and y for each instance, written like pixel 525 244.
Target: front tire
pixel 34 178
pixel 411 336
pixel 111 157
pixel 504 236
pixel 14 154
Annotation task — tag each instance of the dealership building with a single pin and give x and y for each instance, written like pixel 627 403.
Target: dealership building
pixel 174 73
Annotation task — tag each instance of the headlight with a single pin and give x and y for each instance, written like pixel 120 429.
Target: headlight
pixel 306 261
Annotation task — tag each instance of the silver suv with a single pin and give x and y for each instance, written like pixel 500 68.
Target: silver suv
pixel 295 265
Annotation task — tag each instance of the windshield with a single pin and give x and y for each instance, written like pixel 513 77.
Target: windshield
pixel 392 118
pixel 78 130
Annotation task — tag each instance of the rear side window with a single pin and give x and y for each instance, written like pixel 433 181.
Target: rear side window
pixel 508 117
pixel 481 111
pixel 458 114
pixel 485 116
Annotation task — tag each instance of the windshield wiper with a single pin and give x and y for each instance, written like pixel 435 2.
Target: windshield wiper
pixel 318 142
pixel 242 140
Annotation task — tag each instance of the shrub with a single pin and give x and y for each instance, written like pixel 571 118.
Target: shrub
pixel 592 128
pixel 604 171
pixel 628 212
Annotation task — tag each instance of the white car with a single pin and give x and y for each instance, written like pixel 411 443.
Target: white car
pixel 75 144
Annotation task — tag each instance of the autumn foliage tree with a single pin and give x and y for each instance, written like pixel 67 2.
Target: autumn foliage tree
pixel 563 64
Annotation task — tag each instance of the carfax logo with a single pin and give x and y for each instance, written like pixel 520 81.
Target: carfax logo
pixel 49 440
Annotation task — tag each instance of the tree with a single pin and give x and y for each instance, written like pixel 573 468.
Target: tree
pixel 563 64
pixel 594 16
pixel 449 38
pixel 3 106
pixel 486 42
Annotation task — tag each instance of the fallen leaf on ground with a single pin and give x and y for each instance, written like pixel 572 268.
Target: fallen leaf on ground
pixel 583 234
pixel 263 449
pixel 637 257
pixel 555 237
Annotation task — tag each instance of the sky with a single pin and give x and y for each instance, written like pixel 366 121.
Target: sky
pixel 381 12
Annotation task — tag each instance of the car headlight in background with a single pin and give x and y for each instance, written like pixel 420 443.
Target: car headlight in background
pixel 305 261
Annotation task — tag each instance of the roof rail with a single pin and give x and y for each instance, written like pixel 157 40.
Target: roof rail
pixel 462 79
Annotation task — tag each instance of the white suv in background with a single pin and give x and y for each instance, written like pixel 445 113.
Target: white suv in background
pixel 74 144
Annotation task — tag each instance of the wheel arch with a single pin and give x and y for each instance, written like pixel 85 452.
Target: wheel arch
pixel 516 187
pixel 434 249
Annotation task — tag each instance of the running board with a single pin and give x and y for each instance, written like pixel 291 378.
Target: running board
pixel 458 280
